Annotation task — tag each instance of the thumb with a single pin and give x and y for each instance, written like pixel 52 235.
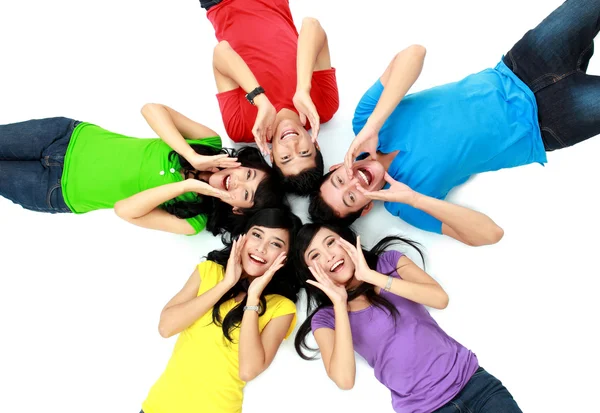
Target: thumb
pixel 302 118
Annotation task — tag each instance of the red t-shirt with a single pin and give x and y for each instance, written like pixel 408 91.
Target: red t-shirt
pixel 262 32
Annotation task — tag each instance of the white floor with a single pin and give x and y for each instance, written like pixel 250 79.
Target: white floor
pixel 80 296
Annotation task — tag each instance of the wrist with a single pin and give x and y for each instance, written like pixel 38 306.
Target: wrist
pixel 261 100
pixel 415 200
pixel 373 125
pixel 302 88
pixel 253 299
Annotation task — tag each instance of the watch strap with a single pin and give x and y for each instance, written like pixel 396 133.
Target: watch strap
pixel 257 91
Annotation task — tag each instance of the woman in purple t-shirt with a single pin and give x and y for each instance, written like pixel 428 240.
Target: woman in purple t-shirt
pixel 374 302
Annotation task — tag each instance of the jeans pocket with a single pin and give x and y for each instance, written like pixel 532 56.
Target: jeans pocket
pixel 55 200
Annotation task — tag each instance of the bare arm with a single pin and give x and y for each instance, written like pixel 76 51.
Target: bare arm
pixel 337 349
pixel 142 209
pixel 256 350
pixel 174 128
pixel 313 52
pixel 187 306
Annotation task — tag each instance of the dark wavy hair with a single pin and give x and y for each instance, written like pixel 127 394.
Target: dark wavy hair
pixel 320 211
pixel 284 282
pixel 317 299
pixel 306 181
pixel 220 216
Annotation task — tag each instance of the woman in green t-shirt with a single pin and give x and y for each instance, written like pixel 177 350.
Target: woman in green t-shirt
pixel 180 183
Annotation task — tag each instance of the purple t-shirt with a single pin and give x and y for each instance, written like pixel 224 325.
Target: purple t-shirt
pixel 423 367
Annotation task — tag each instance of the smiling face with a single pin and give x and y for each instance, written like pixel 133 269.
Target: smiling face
pixel 293 149
pixel 331 257
pixel 240 182
pixel 340 193
pixel 263 245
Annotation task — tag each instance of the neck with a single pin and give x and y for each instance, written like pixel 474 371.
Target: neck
pixel 386 159
pixel 284 114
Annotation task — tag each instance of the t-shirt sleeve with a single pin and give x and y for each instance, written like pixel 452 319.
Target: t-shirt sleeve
pixel 325 94
pixel 285 306
pixel 324 318
pixel 235 116
pixel 415 217
pixel 366 105
pixel 198 223
pixel 388 262
pixel 210 274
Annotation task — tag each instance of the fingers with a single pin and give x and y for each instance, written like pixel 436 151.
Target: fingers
pixel 381 195
pixel 314 125
pixel 349 248
pixel 388 178
pixel 302 118
pixel 349 160
pixel 316 284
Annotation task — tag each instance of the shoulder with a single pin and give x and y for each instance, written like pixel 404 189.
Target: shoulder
pixel 210 274
pixel 323 318
pixel 278 305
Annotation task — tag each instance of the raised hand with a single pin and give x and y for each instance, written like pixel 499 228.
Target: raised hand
pixel 362 272
pixel 336 292
pixel 307 110
pixel 366 141
pixel 397 192
pixel 212 163
pixel 233 272
pixel 263 126
pixel 202 188
pixel 258 285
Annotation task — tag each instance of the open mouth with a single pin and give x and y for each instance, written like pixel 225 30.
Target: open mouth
pixel 288 133
pixel 337 266
pixel 227 182
pixel 365 176
pixel 257 260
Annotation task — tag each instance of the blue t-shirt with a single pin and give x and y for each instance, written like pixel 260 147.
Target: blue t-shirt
pixel 485 122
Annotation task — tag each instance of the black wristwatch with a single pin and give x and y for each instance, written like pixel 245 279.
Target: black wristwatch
pixel 250 96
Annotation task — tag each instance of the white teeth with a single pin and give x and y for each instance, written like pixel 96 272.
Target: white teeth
pixel 337 264
pixel 257 258
pixel 227 181
pixel 288 133
pixel 364 177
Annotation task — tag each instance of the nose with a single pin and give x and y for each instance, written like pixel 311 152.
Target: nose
pixel 352 183
pixel 234 182
pixel 329 256
pixel 262 247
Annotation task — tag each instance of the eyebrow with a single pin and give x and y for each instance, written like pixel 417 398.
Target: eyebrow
pixel 262 232
pixel 279 239
pixel 333 182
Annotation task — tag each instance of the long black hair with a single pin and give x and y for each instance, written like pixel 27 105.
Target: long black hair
pixel 220 216
pixel 284 282
pixel 317 299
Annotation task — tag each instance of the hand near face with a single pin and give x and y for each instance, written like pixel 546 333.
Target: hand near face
pixel 397 192
pixel 307 110
pixel 258 285
pixel 366 141
pixel 212 163
pixel 336 292
pixel 202 188
pixel 263 126
pixel 233 272
pixel 362 271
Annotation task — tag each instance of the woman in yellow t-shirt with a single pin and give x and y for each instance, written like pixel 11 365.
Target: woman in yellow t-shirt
pixel 231 315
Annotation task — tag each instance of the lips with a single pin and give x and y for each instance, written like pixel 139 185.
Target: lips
pixel 288 133
pixel 227 182
pixel 365 177
pixel 337 266
pixel 257 260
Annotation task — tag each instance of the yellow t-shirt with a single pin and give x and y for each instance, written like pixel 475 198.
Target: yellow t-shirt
pixel 203 373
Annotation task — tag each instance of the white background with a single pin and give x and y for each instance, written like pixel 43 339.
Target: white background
pixel 80 296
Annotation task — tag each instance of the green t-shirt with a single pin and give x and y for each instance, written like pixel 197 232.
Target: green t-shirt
pixel 103 167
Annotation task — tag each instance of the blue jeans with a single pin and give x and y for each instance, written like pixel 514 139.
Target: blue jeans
pixel 552 60
pixel 483 394
pixel 32 156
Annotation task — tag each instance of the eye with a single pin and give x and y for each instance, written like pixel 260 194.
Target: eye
pixel 330 242
pixel 352 197
pixel 339 180
pixel 285 158
pixel 256 234
pixel 276 245
pixel 246 195
pixel 248 175
pixel 304 153
pixel 314 256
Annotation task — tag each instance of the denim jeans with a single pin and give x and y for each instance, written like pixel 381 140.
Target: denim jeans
pixel 483 394
pixel 32 156
pixel 552 60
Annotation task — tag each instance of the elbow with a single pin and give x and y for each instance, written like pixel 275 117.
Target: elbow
pixel 246 374
pixel 221 48
pixel 148 108
pixel 492 236
pixel 415 51
pixel 121 210
pixel 443 301
pixel 310 21
pixel 346 383
pixel 164 330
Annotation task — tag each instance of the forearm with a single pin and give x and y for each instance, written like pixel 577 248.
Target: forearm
pixel 230 64
pixel 177 318
pixel 144 202
pixel 164 122
pixel 472 227
pixel 311 40
pixel 431 295
pixel 402 73
pixel 251 350
pixel 342 365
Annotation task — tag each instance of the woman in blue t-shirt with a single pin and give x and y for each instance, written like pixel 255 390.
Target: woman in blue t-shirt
pixel 373 302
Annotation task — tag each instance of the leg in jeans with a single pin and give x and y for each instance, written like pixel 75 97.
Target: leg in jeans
pixel 483 394
pixel 34 185
pixel 552 60
pixel 29 140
